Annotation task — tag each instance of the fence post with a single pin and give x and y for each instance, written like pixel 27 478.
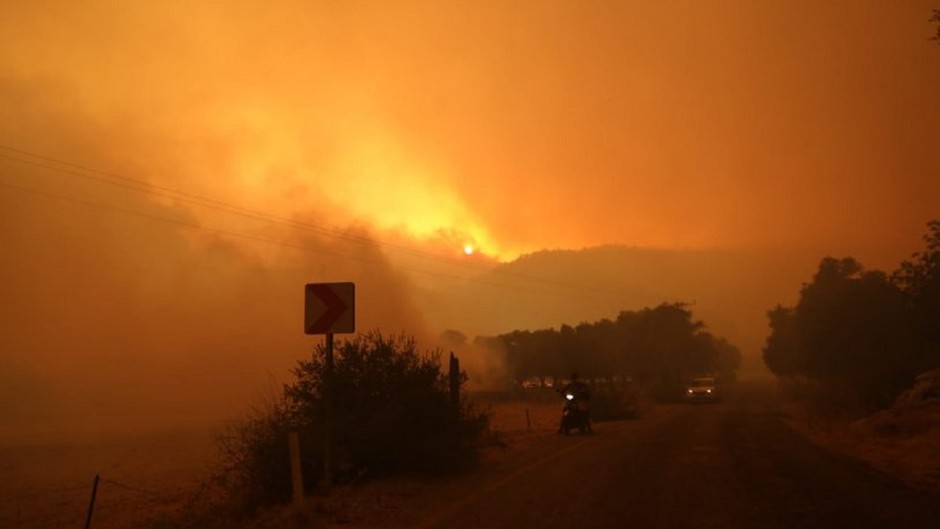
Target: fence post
pixel 296 478
pixel 455 383
pixel 91 504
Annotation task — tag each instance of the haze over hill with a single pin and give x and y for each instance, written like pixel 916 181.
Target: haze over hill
pixel 730 291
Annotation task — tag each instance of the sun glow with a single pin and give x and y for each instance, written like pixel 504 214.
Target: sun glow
pixel 374 180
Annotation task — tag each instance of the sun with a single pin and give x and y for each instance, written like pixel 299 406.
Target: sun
pixel 468 249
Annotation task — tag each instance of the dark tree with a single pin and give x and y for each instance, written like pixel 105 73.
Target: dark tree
pixel 661 346
pixel 453 338
pixel 853 329
pixel 781 354
pixel 936 18
pixel 862 336
pixel 724 357
pixel 919 279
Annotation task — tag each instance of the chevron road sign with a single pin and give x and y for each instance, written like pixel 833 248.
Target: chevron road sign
pixel 330 308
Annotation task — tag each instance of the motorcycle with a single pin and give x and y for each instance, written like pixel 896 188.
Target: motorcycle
pixel 575 415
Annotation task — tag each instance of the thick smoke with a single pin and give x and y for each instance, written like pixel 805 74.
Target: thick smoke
pixel 362 127
pixel 129 307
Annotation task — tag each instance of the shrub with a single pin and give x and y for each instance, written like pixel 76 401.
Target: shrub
pixel 255 459
pixel 614 401
pixel 391 413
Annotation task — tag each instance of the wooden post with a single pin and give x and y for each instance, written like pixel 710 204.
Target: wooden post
pixel 297 479
pixel 528 421
pixel 455 382
pixel 91 504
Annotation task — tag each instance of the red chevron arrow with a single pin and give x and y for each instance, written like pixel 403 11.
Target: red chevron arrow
pixel 326 310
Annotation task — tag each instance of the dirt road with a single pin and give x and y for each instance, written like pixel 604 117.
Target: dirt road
pixel 731 465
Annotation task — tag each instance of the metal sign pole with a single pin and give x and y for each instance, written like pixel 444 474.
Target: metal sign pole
pixel 328 415
pixel 329 308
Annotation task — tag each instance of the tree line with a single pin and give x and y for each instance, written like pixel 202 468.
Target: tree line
pixel 661 346
pixel 859 337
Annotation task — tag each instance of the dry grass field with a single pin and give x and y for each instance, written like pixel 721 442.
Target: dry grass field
pixel 49 485
pixel 144 477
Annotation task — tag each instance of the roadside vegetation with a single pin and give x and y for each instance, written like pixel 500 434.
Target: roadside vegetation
pixel 859 359
pixel 858 338
pixel 392 414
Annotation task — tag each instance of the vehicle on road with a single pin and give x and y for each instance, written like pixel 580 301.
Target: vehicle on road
pixel 575 415
pixel 702 389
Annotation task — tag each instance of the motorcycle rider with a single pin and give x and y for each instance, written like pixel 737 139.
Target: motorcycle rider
pixel 582 397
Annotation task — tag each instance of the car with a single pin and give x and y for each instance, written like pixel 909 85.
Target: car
pixel 702 390
pixel 532 382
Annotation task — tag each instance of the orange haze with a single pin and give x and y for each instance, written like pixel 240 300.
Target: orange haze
pixel 172 173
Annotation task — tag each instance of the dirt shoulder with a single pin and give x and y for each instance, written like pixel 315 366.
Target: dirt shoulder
pixel 903 443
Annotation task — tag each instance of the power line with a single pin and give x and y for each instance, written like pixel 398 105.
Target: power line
pixel 195 226
pixel 142 186
pixel 138 490
pixel 299 247
pixel 58 491
pixel 77 170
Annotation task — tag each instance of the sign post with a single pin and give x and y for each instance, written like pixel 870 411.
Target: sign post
pixel 329 308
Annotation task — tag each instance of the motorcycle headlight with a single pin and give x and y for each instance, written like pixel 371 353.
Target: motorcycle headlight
pixel 569 396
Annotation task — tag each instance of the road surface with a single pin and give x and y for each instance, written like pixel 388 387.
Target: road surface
pixel 730 465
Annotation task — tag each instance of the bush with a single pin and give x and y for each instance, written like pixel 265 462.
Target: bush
pixel 614 401
pixel 256 459
pixel 392 414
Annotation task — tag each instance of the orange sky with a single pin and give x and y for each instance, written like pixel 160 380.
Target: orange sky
pixel 539 124
pixel 800 128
